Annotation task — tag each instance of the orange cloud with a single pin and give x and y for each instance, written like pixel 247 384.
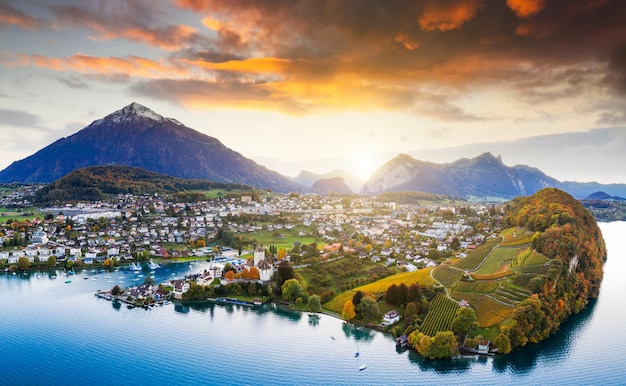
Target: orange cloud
pixel 526 8
pixel 252 66
pixel 86 64
pixel 448 16
pixel 12 16
pixel 406 41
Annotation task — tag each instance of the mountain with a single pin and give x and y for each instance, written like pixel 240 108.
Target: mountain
pixel 137 136
pixel 307 178
pixel 484 177
pixel 603 196
pixel 326 186
pixel 95 182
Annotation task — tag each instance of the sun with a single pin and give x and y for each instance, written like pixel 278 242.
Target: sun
pixel 363 165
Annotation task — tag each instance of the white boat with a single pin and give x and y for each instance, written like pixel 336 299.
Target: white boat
pixel 362 367
pixel 152 265
pixel 135 267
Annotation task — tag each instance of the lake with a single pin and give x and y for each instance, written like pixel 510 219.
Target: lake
pixel 55 333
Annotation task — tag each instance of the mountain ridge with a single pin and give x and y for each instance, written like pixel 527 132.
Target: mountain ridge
pixel 484 176
pixel 137 136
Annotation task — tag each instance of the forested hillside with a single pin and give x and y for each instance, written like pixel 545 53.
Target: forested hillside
pixel 94 183
pixel 568 235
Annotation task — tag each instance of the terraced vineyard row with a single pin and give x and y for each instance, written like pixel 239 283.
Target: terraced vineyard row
pixel 440 315
pixel 482 287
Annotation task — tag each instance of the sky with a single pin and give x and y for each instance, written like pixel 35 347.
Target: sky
pixel 327 84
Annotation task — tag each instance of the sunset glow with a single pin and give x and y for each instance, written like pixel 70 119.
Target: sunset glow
pixel 286 82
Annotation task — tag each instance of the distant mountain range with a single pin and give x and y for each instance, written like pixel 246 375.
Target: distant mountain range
pixel 96 182
pixel 482 177
pixel 307 179
pixel 137 136
pixel 326 186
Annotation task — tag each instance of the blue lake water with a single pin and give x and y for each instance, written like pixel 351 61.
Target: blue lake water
pixel 53 333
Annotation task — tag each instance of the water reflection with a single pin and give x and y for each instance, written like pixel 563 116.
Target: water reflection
pixel 357 333
pixel 286 313
pixel 554 349
pixel 314 319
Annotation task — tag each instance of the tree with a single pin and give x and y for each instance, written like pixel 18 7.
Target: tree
pixel 391 295
pixel 51 262
pixel 503 343
pixel 464 320
pixel 444 345
pixel 116 290
pixel 368 308
pixel 254 273
pixel 315 304
pixel 411 312
pixel 348 312
pixel 292 290
pixel 252 288
pixel 356 298
pixel 230 275
pixel 23 263
pixel 414 293
pixel 286 271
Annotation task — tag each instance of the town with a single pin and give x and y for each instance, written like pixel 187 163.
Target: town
pixel 245 236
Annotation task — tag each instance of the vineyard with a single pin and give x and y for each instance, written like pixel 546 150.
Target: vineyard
pixel 488 311
pixel 477 255
pixel 495 259
pixel 516 237
pixel 482 287
pixel 536 259
pixel 441 313
pixel 446 275
pixel 421 276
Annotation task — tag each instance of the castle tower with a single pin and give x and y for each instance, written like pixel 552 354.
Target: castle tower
pixel 259 255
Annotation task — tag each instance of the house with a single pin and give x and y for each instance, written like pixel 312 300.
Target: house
pixel 179 288
pixel 402 341
pixel 205 279
pixel 483 346
pixel 390 318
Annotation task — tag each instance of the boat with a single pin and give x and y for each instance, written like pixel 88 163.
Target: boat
pixel 68 281
pixel 152 265
pixel 135 267
pixel 332 337
pixel 356 354
pixel 362 367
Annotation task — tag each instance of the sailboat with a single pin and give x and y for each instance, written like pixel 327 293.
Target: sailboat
pixel 362 367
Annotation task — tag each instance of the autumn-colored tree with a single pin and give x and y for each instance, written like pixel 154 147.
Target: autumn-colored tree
pixel 282 253
pixel 201 243
pixel 245 273
pixel 23 263
pixel 503 343
pixel 348 312
pixel 230 275
pixel 254 273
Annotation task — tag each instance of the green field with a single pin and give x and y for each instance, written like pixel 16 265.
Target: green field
pixel 286 240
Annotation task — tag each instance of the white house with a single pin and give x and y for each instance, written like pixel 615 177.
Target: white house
pixel 390 318
pixel 205 279
pixel 179 288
